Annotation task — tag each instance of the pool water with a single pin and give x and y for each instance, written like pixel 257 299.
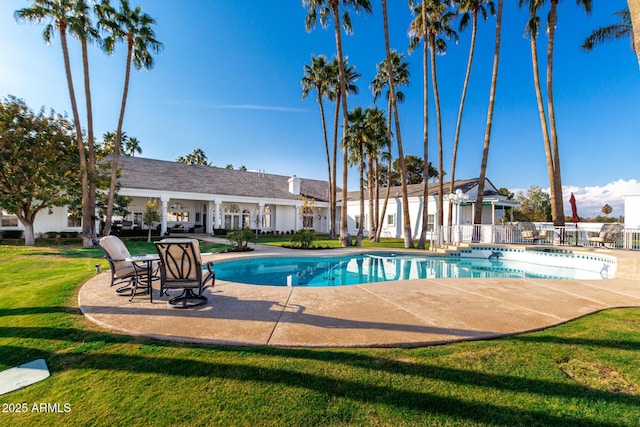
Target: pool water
pixel 368 268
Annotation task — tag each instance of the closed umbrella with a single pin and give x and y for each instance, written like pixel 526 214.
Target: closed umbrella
pixel 574 214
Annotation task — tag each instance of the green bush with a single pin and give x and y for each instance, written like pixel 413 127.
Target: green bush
pixel 304 238
pixel 242 237
pixel 12 234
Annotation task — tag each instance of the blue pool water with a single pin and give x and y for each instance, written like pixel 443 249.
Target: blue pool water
pixel 368 268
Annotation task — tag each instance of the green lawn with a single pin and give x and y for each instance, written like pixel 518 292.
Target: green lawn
pixel 583 373
pixel 323 240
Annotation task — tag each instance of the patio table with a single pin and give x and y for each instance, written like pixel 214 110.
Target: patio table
pixel 146 260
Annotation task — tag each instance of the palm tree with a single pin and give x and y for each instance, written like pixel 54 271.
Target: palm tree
pixel 620 30
pixel 317 76
pixel 322 10
pixel 134 27
pixel 408 239
pixel 436 25
pixel 131 145
pixel 358 135
pixel 469 10
pixel 400 70
pixel 553 158
pixel 487 134
pixel 197 157
pixel 61 16
pixel 425 140
pixel 379 132
pixel 634 11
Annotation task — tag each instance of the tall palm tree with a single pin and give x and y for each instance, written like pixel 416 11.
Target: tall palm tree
pixel 487 134
pixel 408 239
pixel 634 10
pixel 135 28
pixel 553 158
pixel 335 95
pixel 436 26
pixel 425 93
pixel 620 30
pixel 470 9
pixel 60 15
pixel 376 123
pixel 400 70
pixel 317 76
pixel 131 146
pixel 322 11
pixel 358 136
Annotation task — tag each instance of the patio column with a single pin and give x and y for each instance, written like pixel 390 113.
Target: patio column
pixel 296 217
pixel 164 199
pixel 216 215
pixel 259 215
pixel 209 224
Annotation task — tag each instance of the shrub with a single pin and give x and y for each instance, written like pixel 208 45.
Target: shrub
pixel 12 234
pixel 304 238
pixel 242 237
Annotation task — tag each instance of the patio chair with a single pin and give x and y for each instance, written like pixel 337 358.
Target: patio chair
pixel 529 232
pixel 610 233
pixel 181 267
pixel 122 271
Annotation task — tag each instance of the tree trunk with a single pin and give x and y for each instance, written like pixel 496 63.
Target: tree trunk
pixel 408 240
pixel 87 238
pixel 634 9
pixel 388 191
pixel 460 111
pixel 371 188
pixel 326 149
pixel 361 170
pixel 556 200
pixel 543 120
pixel 334 173
pixel 345 237
pixel 92 175
pixel 118 144
pixel 436 101
pixel 487 134
pixel 422 243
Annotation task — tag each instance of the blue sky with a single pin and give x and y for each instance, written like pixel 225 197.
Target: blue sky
pixel 228 81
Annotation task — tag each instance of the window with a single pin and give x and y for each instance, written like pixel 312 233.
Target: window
pixel 357 222
pixel 266 217
pixel 176 213
pixel 431 219
pixel 73 218
pixel 137 219
pixel 307 217
pixel 391 220
pixel 8 220
pixel 231 217
pixel 246 218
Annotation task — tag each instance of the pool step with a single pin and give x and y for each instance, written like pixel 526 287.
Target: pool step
pixel 450 249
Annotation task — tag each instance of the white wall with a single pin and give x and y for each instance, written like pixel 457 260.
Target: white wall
pixel 632 211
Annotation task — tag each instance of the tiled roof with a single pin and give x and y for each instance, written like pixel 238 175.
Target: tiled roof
pixel 164 175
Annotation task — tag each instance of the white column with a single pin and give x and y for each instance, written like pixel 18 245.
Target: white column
pixel 296 219
pixel 259 215
pixel 164 199
pixel 216 216
pixel 209 224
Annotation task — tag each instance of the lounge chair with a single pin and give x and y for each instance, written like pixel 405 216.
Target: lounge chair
pixel 181 267
pixel 123 271
pixel 529 232
pixel 610 233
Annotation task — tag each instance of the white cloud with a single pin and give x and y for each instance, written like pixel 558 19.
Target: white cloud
pixel 590 200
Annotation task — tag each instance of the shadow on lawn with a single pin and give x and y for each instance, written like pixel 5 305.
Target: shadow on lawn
pixel 458 408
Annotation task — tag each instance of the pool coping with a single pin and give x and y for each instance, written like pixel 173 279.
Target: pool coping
pixel 410 313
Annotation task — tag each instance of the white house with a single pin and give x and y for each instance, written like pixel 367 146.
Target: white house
pixel 204 198
pixel 463 204
pixel 632 211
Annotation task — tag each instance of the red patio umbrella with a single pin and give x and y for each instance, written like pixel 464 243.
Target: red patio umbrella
pixel 574 214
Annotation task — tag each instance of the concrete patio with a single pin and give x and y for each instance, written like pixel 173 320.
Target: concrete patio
pixel 402 313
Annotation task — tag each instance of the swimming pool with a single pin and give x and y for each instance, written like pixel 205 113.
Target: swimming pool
pixel 368 268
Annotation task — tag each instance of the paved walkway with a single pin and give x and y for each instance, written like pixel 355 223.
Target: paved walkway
pixel 401 313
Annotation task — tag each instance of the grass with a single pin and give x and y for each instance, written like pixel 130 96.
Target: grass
pixel 583 373
pixel 324 241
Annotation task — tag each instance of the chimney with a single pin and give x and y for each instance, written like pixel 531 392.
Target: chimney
pixel 294 185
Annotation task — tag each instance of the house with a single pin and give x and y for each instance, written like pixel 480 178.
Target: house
pixel 204 198
pixel 495 207
pixel 632 211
